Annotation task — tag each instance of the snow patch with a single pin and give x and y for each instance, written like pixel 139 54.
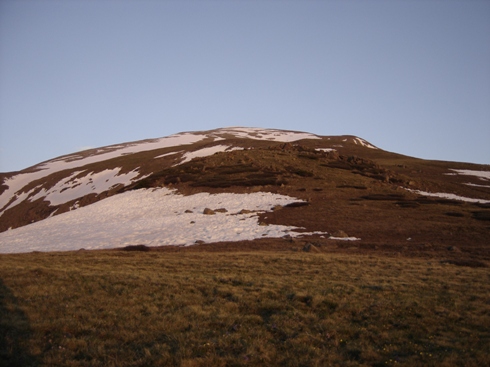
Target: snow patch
pixel 344 238
pixel 154 217
pixel 266 134
pixel 476 185
pixel 167 154
pixel 17 199
pixel 364 143
pixel 111 152
pixel 74 187
pixel 449 196
pixel 204 152
pixel 483 175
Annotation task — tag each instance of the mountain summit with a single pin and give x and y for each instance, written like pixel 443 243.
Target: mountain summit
pixel 243 184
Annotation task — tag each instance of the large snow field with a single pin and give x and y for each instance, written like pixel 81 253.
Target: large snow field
pixel 154 217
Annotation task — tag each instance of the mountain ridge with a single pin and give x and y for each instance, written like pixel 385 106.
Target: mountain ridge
pixel 22 180
pixel 343 175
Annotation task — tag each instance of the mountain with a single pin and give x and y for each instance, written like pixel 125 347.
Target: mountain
pixel 243 184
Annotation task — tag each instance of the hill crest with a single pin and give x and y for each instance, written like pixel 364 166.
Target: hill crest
pixel 87 178
pixel 345 172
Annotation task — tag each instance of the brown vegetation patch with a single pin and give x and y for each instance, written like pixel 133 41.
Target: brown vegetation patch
pixel 455 214
pixel 142 248
pixel 352 187
pixel 466 262
pixel 296 204
pixel 435 200
pixel 385 197
pixel 407 204
pixel 482 215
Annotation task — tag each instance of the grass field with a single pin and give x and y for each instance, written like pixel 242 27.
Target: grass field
pixel 257 308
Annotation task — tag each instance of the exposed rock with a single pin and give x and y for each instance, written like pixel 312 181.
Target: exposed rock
pixel 309 247
pixel 245 211
pixel 208 211
pixel 143 248
pixel 221 210
pixel 296 204
pixel 287 146
pixel 188 211
pixel 340 234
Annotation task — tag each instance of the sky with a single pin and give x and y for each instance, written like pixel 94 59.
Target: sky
pixel 411 77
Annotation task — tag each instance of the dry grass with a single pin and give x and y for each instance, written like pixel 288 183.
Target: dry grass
pixel 259 308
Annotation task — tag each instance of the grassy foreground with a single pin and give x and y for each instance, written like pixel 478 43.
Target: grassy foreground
pixel 287 308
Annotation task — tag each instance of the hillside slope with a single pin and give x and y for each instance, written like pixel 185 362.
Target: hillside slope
pixel 258 183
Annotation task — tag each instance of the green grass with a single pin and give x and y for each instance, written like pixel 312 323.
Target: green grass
pixel 285 308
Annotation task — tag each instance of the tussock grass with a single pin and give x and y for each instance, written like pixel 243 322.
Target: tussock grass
pixel 119 308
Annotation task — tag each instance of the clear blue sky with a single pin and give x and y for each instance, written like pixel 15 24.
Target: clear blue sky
pixel 409 76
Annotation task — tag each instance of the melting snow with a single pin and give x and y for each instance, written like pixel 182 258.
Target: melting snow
pixel 364 143
pixel 204 152
pixel 167 154
pixel 152 217
pixel 18 198
pixel 267 134
pixel 344 238
pixel 483 175
pixel 167 142
pixel 73 187
pixel 449 196
pixel 476 185
pixel 70 188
